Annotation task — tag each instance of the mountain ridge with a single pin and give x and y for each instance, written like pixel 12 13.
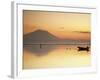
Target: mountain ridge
pixel 42 36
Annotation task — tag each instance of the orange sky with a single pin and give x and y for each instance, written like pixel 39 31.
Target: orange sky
pixel 62 25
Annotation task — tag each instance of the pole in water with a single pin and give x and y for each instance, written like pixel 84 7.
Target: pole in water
pixel 40 45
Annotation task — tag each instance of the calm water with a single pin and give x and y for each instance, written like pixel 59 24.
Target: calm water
pixel 53 56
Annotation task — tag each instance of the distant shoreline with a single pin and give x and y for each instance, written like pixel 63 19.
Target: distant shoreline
pixel 58 44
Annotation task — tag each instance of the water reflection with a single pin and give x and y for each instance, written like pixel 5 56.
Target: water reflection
pixel 51 56
pixel 41 50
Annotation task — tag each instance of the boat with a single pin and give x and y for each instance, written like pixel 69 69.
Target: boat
pixel 83 48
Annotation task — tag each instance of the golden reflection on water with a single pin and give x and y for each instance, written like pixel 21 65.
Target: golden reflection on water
pixel 59 57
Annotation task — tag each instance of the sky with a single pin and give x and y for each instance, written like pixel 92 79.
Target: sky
pixel 61 24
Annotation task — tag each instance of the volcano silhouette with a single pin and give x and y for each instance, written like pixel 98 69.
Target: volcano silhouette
pixel 39 36
pixel 45 37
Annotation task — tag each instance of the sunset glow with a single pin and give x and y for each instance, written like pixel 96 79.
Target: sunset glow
pixel 62 25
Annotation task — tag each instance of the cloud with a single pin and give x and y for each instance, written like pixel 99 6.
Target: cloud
pixel 81 32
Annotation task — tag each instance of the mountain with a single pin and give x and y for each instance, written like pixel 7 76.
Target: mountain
pixel 42 36
pixel 39 36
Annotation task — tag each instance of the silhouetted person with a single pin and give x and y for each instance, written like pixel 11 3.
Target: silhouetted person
pixel 40 45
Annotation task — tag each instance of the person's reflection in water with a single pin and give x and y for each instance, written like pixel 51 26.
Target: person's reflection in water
pixel 40 50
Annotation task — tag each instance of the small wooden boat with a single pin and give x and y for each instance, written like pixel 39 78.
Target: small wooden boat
pixel 83 48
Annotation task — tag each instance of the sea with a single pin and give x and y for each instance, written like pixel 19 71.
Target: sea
pixel 37 56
